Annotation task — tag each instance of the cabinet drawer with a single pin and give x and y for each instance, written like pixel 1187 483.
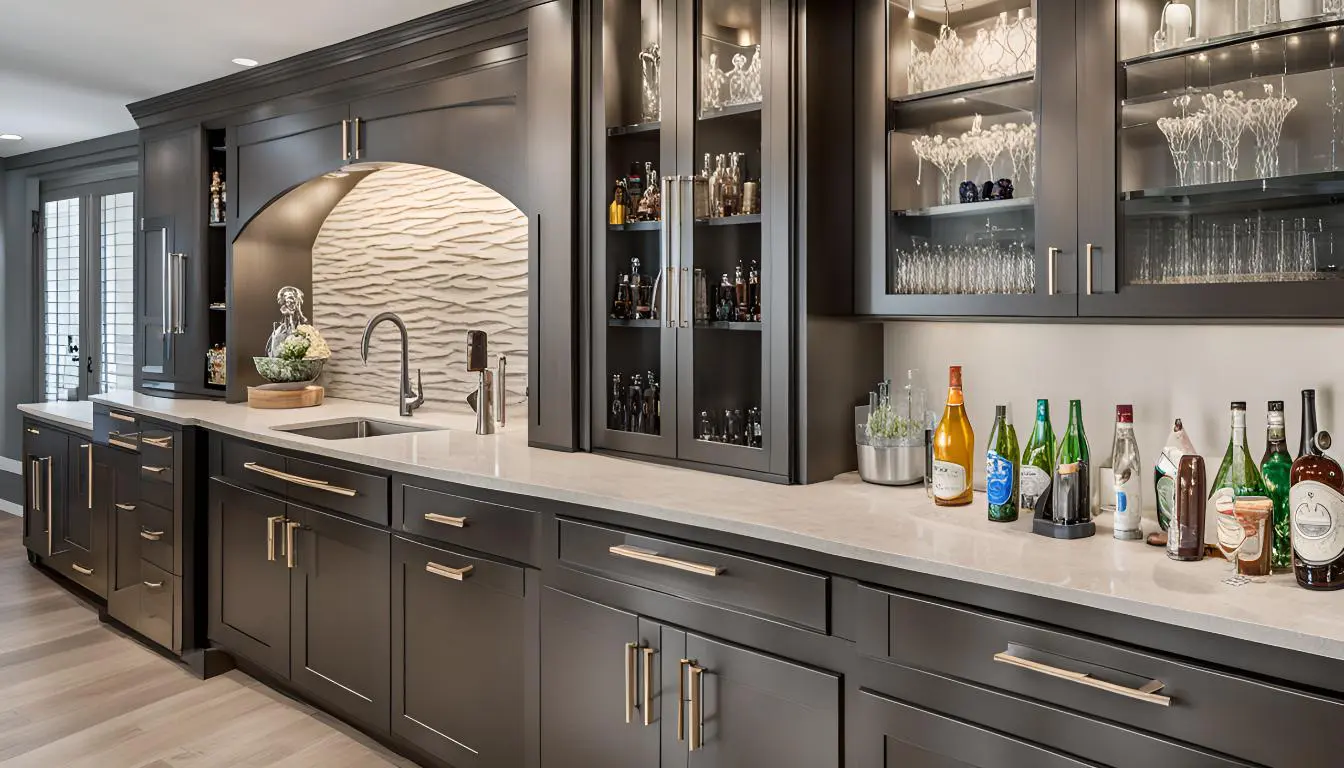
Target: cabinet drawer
pixel 157 445
pixel 156 536
pixel 1154 693
pixel 348 491
pixel 239 463
pixel 446 563
pixel 158 597
pixel 154 490
pixel 87 569
pixel 708 575
pixel 116 428
pixel 152 471
pixel 480 525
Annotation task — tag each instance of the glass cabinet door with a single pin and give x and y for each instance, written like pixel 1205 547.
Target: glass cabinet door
pixel 729 251
pixel 635 108
pixel 980 151
pixel 1228 171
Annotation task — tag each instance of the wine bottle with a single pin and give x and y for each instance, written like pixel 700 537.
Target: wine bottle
pixel 1002 469
pixel 1275 469
pixel 1127 480
pixel 1165 472
pixel 1238 475
pixel 1316 508
pixel 1038 458
pixel 1070 500
pixel 953 444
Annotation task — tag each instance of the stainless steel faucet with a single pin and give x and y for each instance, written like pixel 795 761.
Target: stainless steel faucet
pixel 488 399
pixel 410 397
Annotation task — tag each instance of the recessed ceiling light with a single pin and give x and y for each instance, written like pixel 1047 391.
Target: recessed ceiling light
pixel 10 137
pixel 245 62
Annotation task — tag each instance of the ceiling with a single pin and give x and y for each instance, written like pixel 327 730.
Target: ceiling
pixel 68 68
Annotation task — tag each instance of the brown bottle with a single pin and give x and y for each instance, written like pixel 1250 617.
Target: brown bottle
pixel 1185 533
pixel 1316 507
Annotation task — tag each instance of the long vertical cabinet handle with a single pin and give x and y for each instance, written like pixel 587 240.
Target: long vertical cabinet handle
pixel 1051 253
pixel 179 294
pixel 1087 270
pixel 270 536
pixel 647 703
pixel 358 139
pixel 669 312
pixel 88 447
pixel 47 504
pixel 628 694
pixel 345 141
pixel 687 284
pixel 166 282
pixel 34 474
pixel 696 707
pixel 681 699
pixel 290 527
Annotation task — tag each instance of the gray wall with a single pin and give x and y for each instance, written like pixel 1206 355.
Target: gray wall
pixel 21 178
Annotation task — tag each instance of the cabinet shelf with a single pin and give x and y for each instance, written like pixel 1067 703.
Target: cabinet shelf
pixel 1255 34
pixel 965 90
pixel 1326 185
pixel 718 325
pixel 636 226
pixel 627 130
pixel 613 322
pixel 733 111
pixel 730 221
pixel 985 208
pixel 996 97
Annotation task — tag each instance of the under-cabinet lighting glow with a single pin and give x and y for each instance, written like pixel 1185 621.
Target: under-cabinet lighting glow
pixel 243 62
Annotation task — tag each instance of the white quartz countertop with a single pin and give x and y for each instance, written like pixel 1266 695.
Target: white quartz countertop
pixel 846 518
pixel 75 415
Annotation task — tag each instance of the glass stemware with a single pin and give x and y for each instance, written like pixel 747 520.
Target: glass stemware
pixel 1227 116
pixel 1266 117
pixel 1008 47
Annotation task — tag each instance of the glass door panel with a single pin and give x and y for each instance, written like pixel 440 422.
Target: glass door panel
pixel 63 298
pixel 635 355
pixel 727 256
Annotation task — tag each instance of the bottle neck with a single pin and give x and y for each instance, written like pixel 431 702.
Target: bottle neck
pixel 1238 429
pixel 1308 444
pixel 1075 417
pixel 955 399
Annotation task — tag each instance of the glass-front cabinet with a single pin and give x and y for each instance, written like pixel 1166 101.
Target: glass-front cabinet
pixel 1221 195
pixel 690 242
pixel 978 103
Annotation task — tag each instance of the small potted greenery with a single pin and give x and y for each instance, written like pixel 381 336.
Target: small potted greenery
pixel 891 447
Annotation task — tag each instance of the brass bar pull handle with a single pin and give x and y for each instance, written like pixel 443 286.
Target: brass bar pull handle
pixel 1147 692
pixel 649 556
pixel 456 574
pixel 321 485
pixel 688 297
pixel 153 584
pixel 125 507
pixel 155 470
pixel 34 474
pixel 121 444
pixel 648 685
pixel 696 706
pixel 1087 269
pixel 149 535
pixel 1051 253
pixel 47 504
pixel 665 242
pixel 77 568
pixel 681 699
pixel 456 522
pixel 358 139
pixel 159 442
pixel 629 692
pixel 345 140
pixel 270 536
pixel 290 528
pixel 121 417
pixel 32 431
pixel 88 447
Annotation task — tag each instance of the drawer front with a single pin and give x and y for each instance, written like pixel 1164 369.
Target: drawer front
pixel 116 428
pixel 157 445
pixel 247 465
pixel 1200 706
pixel 154 490
pixel 158 597
pixel 494 528
pixel 447 563
pixel 157 536
pixel 347 491
pixel 152 471
pixel 87 569
pixel 707 575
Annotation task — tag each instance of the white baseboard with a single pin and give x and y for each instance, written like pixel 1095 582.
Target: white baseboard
pixel 11 508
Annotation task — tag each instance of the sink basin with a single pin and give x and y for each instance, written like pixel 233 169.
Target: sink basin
pixel 351 429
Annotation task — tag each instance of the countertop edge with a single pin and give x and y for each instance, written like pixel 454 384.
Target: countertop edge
pixel 39 412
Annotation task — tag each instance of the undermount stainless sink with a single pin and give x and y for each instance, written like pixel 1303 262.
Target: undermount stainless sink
pixel 351 429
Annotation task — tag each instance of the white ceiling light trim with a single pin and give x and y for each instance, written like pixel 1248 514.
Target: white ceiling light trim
pixel 245 62
pixel 10 137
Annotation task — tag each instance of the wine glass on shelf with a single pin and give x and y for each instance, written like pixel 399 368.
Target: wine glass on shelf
pixel 1227 116
pixel 1266 117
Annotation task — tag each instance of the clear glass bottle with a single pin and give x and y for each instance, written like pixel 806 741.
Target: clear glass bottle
pixel 1127 477
pixel 1238 475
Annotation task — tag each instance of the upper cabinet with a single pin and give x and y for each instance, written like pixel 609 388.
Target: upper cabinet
pixel 691 244
pixel 1165 160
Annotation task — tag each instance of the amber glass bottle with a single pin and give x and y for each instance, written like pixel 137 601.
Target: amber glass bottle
pixel 953 448
pixel 1316 507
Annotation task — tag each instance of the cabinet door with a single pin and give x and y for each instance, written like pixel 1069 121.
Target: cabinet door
pixel 116 494
pixel 45 457
pixel 340 613
pixel 746 708
pixel 278 154
pixel 592 687
pixel 458 625
pixel 79 529
pixel 249 578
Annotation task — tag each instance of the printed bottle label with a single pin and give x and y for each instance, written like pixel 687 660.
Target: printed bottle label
pixel 1166 500
pixel 998 478
pixel 949 479
pixel 1035 481
pixel 1231 533
pixel 1318 522
pixel 1129 504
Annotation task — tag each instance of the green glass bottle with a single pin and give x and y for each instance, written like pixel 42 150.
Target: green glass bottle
pixel 1275 469
pixel 1238 475
pixel 1038 458
pixel 1002 470
pixel 1071 499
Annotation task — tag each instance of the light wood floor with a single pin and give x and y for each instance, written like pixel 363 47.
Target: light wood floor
pixel 75 693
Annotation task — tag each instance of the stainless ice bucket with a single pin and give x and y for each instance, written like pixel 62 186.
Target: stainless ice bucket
pixel 899 465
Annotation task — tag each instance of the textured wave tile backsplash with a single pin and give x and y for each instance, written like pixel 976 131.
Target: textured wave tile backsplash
pixel 445 253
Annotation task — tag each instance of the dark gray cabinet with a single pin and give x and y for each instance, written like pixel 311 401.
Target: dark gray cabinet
pixel 249 576
pixel 339 613
pixel 459 655
pixel 79 529
pixel 275 155
pixel 116 492
pixel 46 492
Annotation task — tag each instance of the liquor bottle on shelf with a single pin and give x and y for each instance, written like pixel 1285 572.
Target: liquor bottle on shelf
pixel 634 184
pixel 754 293
pixel 707 202
pixel 650 404
pixel 953 447
pixel 1001 467
pixel 617 420
pixel 1316 507
pixel 216 197
pixel 1038 458
pixel 651 202
pixel 751 197
pixel 1068 513
pixel 755 434
pixel 1276 467
pixel 743 313
pixel 1127 477
pixel 617 211
pixel 725 307
pixel 701 296
pixel 622 305
pixel 720 182
pixel 1238 475
pixel 1165 477
pixel 634 404
pixel 1185 530
pixel 641 292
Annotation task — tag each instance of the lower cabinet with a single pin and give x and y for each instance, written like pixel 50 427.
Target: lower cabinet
pixel 249 576
pixel 62 524
pixel 684 699
pixel 459 655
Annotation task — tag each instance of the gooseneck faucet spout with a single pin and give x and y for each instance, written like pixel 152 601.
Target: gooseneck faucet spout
pixel 410 397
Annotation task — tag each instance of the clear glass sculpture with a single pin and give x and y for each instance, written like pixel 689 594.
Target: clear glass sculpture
pixel 1266 117
pixel 650 61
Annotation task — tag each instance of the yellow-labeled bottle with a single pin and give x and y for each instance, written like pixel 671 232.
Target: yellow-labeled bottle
pixel 953 448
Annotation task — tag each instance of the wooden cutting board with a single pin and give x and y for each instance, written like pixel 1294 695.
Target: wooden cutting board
pixel 309 396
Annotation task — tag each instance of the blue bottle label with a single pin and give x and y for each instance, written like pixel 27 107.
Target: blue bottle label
pixel 998 478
